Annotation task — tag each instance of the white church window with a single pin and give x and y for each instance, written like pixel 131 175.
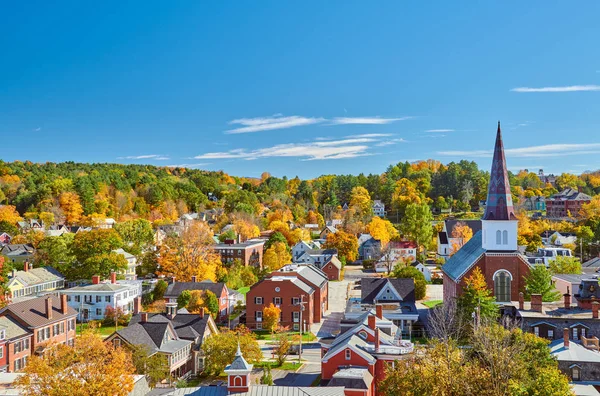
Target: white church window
pixel 505 237
pixel 498 237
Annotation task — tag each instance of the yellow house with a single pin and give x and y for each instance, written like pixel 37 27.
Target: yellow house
pixel 34 281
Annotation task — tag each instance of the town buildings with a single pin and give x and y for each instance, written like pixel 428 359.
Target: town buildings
pixel 15 344
pixel 547 255
pixel 448 240
pixel 226 302
pixel 493 249
pixel 566 203
pixel 378 208
pixel 129 273
pixel 369 248
pixel 91 301
pixel 250 253
pixel 394 253
pixel 18 253
pixel 33 281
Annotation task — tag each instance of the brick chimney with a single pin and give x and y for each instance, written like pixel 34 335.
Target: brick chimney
pixel 64 307
pixel 201 313
pixel 379 311
pixel 113 278
pixel 567 299
pixel 194 278
pixel 26 266
pixel 536 302
pixel 521 301
pixel 372 321
pixel 49 308
pixel 566 337
pixel 137 305
pixel 377 341
pixel 144 317
pixel 595 310
pixel 95 279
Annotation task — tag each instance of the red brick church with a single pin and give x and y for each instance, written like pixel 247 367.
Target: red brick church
pixel 493 249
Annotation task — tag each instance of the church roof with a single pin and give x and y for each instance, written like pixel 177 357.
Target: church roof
pixel 499 204
pixel 462 260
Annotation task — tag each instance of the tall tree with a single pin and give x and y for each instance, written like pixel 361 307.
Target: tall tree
pixel 137 235
pixel 382 230
pixel 71 207
pixel 271 315
pixel 476 298
pixel 220 349
pixel 361 201
pixel 90 367
pixel 9 214
pixel 565 265
pixel 539 281
pixel 416 224
pixel 276 256
pixel 345 243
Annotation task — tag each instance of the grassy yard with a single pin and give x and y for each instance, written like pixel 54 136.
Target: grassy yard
pixel 243 290
pixel 432 303
pixel 103 331
pixel 291 365
pixel 266 335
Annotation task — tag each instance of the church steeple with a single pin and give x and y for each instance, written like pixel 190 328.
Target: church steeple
pixel 499 204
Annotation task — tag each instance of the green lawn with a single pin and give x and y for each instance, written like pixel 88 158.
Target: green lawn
pixel 266 335
pixel 291 365
pixel 103 331
pixel 243 290
pixel 432 303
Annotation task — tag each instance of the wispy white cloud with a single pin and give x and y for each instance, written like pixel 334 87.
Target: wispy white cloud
pixel 439 130
pixel 571 88
pixel 390 142
pixel 190 166
pixel 276 121
pixel 547 150
pixel 158 157
pixel 366 120
pixel 317 150
pixel 38 129
pixel 371 135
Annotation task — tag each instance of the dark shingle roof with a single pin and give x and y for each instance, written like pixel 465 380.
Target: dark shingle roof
pixel 33 312
pixel 370 287
pixel 593 263
pixel 474 225
pixel 175 289
pixel 353 378
pixel 187 326
pixel 462 260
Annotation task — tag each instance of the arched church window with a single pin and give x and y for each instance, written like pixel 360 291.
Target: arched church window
pixel 498 237
pixel 505 237
pixel 502 286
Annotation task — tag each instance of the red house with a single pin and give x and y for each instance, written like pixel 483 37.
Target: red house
pixel 493 249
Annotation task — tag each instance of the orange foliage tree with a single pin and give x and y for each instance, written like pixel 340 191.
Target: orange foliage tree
pixel 9 214
pixel 345 243
pixel 271 315
pixel 461 233
pixel 71 207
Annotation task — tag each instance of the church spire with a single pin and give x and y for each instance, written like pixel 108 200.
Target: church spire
pixel 499 204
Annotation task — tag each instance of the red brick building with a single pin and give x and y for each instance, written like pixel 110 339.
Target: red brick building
pixel 566 203
pixel 357 359
pixel 333 269
pixel 286 292
pixel 315 278
pixel 493 249
pixel 250 252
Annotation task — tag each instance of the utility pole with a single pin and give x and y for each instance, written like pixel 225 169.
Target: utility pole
pixel 116 312
pixel 301 303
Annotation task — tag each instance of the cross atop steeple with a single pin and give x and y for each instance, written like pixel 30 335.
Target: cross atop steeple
pixel 499 204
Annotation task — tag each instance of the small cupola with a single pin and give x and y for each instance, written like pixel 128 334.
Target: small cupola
pixel 238 373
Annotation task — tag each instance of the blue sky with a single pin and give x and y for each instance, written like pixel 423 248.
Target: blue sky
pixel 300 88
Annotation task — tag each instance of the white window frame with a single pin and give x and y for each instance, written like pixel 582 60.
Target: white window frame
pixel 257 299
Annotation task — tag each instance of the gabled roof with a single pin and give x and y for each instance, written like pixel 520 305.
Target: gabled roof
pixel 355 343
pixel 575 352
pixel 370 288
pixel 124 253
pixel 593 263
pixel 499 204
pixel 176 288
pixel 33 311
pixel 239 363
pixel 335 261
pixel 331 229
pixel 18 249
pixel 100 287
pixel 187 326
pixel 151 334
pixel 13 328
pixel 36 276
pixel 461 261
pixel 352 378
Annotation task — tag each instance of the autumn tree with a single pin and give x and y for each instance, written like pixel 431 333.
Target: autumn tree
pixel 137 235
pixel 271 315
pixel 283 345
pixel 220 348
pixel 345 243
pixel 90 367
pixel 565 265
pixel 71 207
pixel 196 301
pixel 9 214
pixel 382 230
pixel 539 281
pixel 417 276
pixel 192 254
pixel 360 200
pixel 477 298
pixel 405 193
pixel 94 254
pixel 462 233
pixel 154 366
pixel 246 230
pixel 276 256
pixel 591 209
pixel 211 303
pixel 275 237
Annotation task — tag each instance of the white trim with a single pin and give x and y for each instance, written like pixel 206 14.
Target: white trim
pixel 388 285
pixel 359 352
pixel 502 270
pixel 579 324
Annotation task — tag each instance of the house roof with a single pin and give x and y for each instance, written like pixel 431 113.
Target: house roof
pixel 260 390
pixel 241 245
pixel 570 194
pixel 18 249
pixel 152 334
pixel 592 263
pixel 335 261
pixel 13 328
pixel 176 288
pixel 36 276
pixel 187 326
pixel 370 287
pixel 474 225
pixel 124 253
pixel 443 236
pixel 466 256
pixel 354 341
pixel 239 363
pixel 309 272
pixel 33 311
pixel 352 378
pixel 296 281
pixel 331 229
pixel 575 352
pixel 499 204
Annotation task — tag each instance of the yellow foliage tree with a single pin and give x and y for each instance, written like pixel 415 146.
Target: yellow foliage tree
pixel 361 200
pixel 9 214
pixel 591 210
pixel 71 207
pixel 382 230
pixel 405 193
pixel 196 304
pixel 245 229
pixel 92 367
pixel 345 243
pixel 191 254
pixel 271 315
pixel 47 218
pixel 276 256
pixel 462 233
